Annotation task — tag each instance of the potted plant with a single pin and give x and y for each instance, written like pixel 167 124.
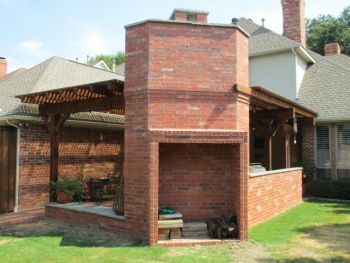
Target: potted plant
pixel 68 189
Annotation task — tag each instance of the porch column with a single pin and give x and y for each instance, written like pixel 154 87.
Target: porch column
pixel 54 122
pixel 243 190
pixel 153 193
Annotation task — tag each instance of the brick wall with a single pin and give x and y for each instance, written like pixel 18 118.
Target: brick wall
pixel 81 153
pixel 87 219
pixel 197 179
pixel 308 144
pixel 272 194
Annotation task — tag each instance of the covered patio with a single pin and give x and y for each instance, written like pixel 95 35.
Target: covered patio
pixel 272 115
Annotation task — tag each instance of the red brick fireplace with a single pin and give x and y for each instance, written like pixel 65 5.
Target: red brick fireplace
pixel 179 106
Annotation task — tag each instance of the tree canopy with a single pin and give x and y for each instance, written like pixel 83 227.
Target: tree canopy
pixel 327 29
pixel 118 59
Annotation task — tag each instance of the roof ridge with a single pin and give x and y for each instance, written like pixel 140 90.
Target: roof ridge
pixel 49 60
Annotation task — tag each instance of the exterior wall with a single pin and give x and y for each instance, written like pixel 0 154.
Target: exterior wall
pixel 179 81
pixel 300 71
pixel 197 179
pixel 282 66
pixel 271 194
pixel 81 153
pixel 308 144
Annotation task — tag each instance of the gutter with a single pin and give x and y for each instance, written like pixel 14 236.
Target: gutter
pixel 68 123
pixel 18 147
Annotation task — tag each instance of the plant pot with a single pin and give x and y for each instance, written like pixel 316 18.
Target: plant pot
pixel 64 197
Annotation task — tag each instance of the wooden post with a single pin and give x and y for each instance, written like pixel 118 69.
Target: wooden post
pixel 268 153
pixel 54 122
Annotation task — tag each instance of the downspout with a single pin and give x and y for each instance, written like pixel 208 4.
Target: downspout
pixel 16 208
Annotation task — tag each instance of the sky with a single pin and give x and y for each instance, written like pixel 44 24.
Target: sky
pixel 32 31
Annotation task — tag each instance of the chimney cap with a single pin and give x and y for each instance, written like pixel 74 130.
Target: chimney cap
pixel 190 11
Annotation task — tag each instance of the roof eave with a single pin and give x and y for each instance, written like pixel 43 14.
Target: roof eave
pixel 302 52
pixel 67 88
pixel 69 123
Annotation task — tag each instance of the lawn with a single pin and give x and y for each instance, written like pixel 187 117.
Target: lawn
pixel 311 232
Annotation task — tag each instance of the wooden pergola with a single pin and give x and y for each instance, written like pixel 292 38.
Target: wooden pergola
pixel 55 107
pixel 275 112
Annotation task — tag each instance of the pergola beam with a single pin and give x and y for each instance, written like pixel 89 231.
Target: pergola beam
pixel 284 114
pixel 98 104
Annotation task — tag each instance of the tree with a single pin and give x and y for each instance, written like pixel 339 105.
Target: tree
pixel 327 29
pixel 118 59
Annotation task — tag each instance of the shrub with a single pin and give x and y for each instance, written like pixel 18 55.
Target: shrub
pixel 328 189
pixel 69 185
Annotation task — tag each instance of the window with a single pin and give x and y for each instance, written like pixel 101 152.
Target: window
pixel 322 147
pixel 343 146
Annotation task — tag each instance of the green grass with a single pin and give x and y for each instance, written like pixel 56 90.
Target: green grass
pixel 51 241
pixel 283 228
pixel 310 232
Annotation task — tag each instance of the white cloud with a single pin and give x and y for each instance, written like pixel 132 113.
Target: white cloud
pixel 91 41
pixel 30 45
pixel 32 51
pixel 273 19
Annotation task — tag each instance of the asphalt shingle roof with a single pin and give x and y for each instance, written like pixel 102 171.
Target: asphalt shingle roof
pixel 52 74
pixel 263 40
pixel 341 59
pixel 326 89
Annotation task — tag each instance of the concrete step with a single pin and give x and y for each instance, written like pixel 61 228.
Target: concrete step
pixel 194 234
pixel 194 227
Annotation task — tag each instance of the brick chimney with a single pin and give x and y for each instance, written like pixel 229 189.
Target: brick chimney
pixel 189 16
pixel 331 49
pixel 294 20
pixel 3 66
